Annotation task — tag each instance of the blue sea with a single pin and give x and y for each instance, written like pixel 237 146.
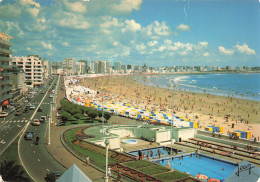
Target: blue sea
pixel 238 85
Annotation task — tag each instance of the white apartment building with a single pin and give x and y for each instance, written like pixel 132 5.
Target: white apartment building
pixel 33 68
pixel 46 69
pixel 117 66
pixel 80 68
pixel 69 66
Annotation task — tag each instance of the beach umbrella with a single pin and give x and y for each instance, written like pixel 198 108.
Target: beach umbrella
pixel 213 180
pixel 202 176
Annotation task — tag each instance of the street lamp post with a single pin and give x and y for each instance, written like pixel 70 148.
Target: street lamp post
pixel 106 143
pixel 172 121
pixel 103 113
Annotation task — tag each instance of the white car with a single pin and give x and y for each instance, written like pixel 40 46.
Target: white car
pixel 36 122
pixel 51 96
pixel 3 114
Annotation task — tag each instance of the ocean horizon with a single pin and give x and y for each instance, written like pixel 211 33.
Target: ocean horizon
pixel 237 85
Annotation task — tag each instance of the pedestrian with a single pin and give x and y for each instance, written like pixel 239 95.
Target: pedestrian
pixel 159 153
pixel 254 140
pixel 87 160
pixel 140 154
pixel 109 172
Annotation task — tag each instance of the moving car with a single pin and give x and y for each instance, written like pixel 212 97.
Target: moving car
pixel 43 119
pixel 29 135
pixel 40 109
pixel 42 92
pixel 3 114
pixel 32 107
pixel 51 96
pixel 36 122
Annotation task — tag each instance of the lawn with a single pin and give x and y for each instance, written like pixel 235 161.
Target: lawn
pixel 170 176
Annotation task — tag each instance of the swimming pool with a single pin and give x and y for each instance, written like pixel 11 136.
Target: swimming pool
pixel 153 152
pixel 206 165
pixel 129 141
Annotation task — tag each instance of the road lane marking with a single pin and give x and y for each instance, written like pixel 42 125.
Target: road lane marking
pixel 33 151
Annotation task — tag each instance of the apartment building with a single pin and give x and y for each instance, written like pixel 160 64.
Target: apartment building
pixel 5 75
pixel 80 68
pixel 117 66
pixel 33 68
pixel 69 66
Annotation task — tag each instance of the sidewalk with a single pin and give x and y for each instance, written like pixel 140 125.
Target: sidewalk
pixel 61 154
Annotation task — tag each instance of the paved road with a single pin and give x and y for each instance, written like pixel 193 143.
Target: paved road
pixel 35 158
pixel 11 126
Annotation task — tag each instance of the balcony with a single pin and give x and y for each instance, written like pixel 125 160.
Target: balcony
pixel 5 66
pixel 5 51
pixel 6 82
pixel 2 58
pixel 5 43
pixel 4 97
pixel 5 89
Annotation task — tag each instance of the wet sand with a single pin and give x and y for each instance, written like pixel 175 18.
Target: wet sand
pixel 210 109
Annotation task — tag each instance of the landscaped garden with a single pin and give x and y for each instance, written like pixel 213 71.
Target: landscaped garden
pixel 129 166
pixel 72 114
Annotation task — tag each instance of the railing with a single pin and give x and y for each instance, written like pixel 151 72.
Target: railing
pixel 5 43
pixel 5 58
pixel 6 51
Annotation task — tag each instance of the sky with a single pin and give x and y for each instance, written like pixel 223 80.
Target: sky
pixel 152 32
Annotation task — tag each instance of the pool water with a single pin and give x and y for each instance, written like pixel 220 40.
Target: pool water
pixel 202 164
pixel 153 152
pixel 129 142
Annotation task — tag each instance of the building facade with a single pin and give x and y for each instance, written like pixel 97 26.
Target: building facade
pixel 117 66
pixel 69 66
pixel 33 68
pixel 80 68
pixel 5 74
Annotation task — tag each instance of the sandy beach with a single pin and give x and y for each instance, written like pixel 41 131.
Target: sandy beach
pixel 209 109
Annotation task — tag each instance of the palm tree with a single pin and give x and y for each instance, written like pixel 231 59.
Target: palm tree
pixel 11 172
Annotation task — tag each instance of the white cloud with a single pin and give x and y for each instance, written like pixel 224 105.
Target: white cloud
pixel 152 43
pixel 115 43
pixel 28 49
pixel 183 27
pixel 156 29
pixel 34 11
pixel 203 44
pixel 245 49
pixel 74 22
pixel 127 5
pixel 46 45
pixel 30 2
pixel 111 22
pixel 206 54
pixel 161 29
pixel 66 44
pixel 162 48
pixel 140 47
pixel 167 41
pixel 131 26
pixel 78 7
pixel 222 50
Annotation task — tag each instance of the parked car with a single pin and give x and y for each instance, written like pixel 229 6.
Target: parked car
pixel 26 110
pixel 29 135
pixel 40 109
pixel 42 92
pixel 17 113
pixel 36 122
pixel 43 119
pixel 3 114
pixel 51 96
pixel 32 107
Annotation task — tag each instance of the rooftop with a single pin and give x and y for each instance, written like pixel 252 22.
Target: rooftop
pixel 5 37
